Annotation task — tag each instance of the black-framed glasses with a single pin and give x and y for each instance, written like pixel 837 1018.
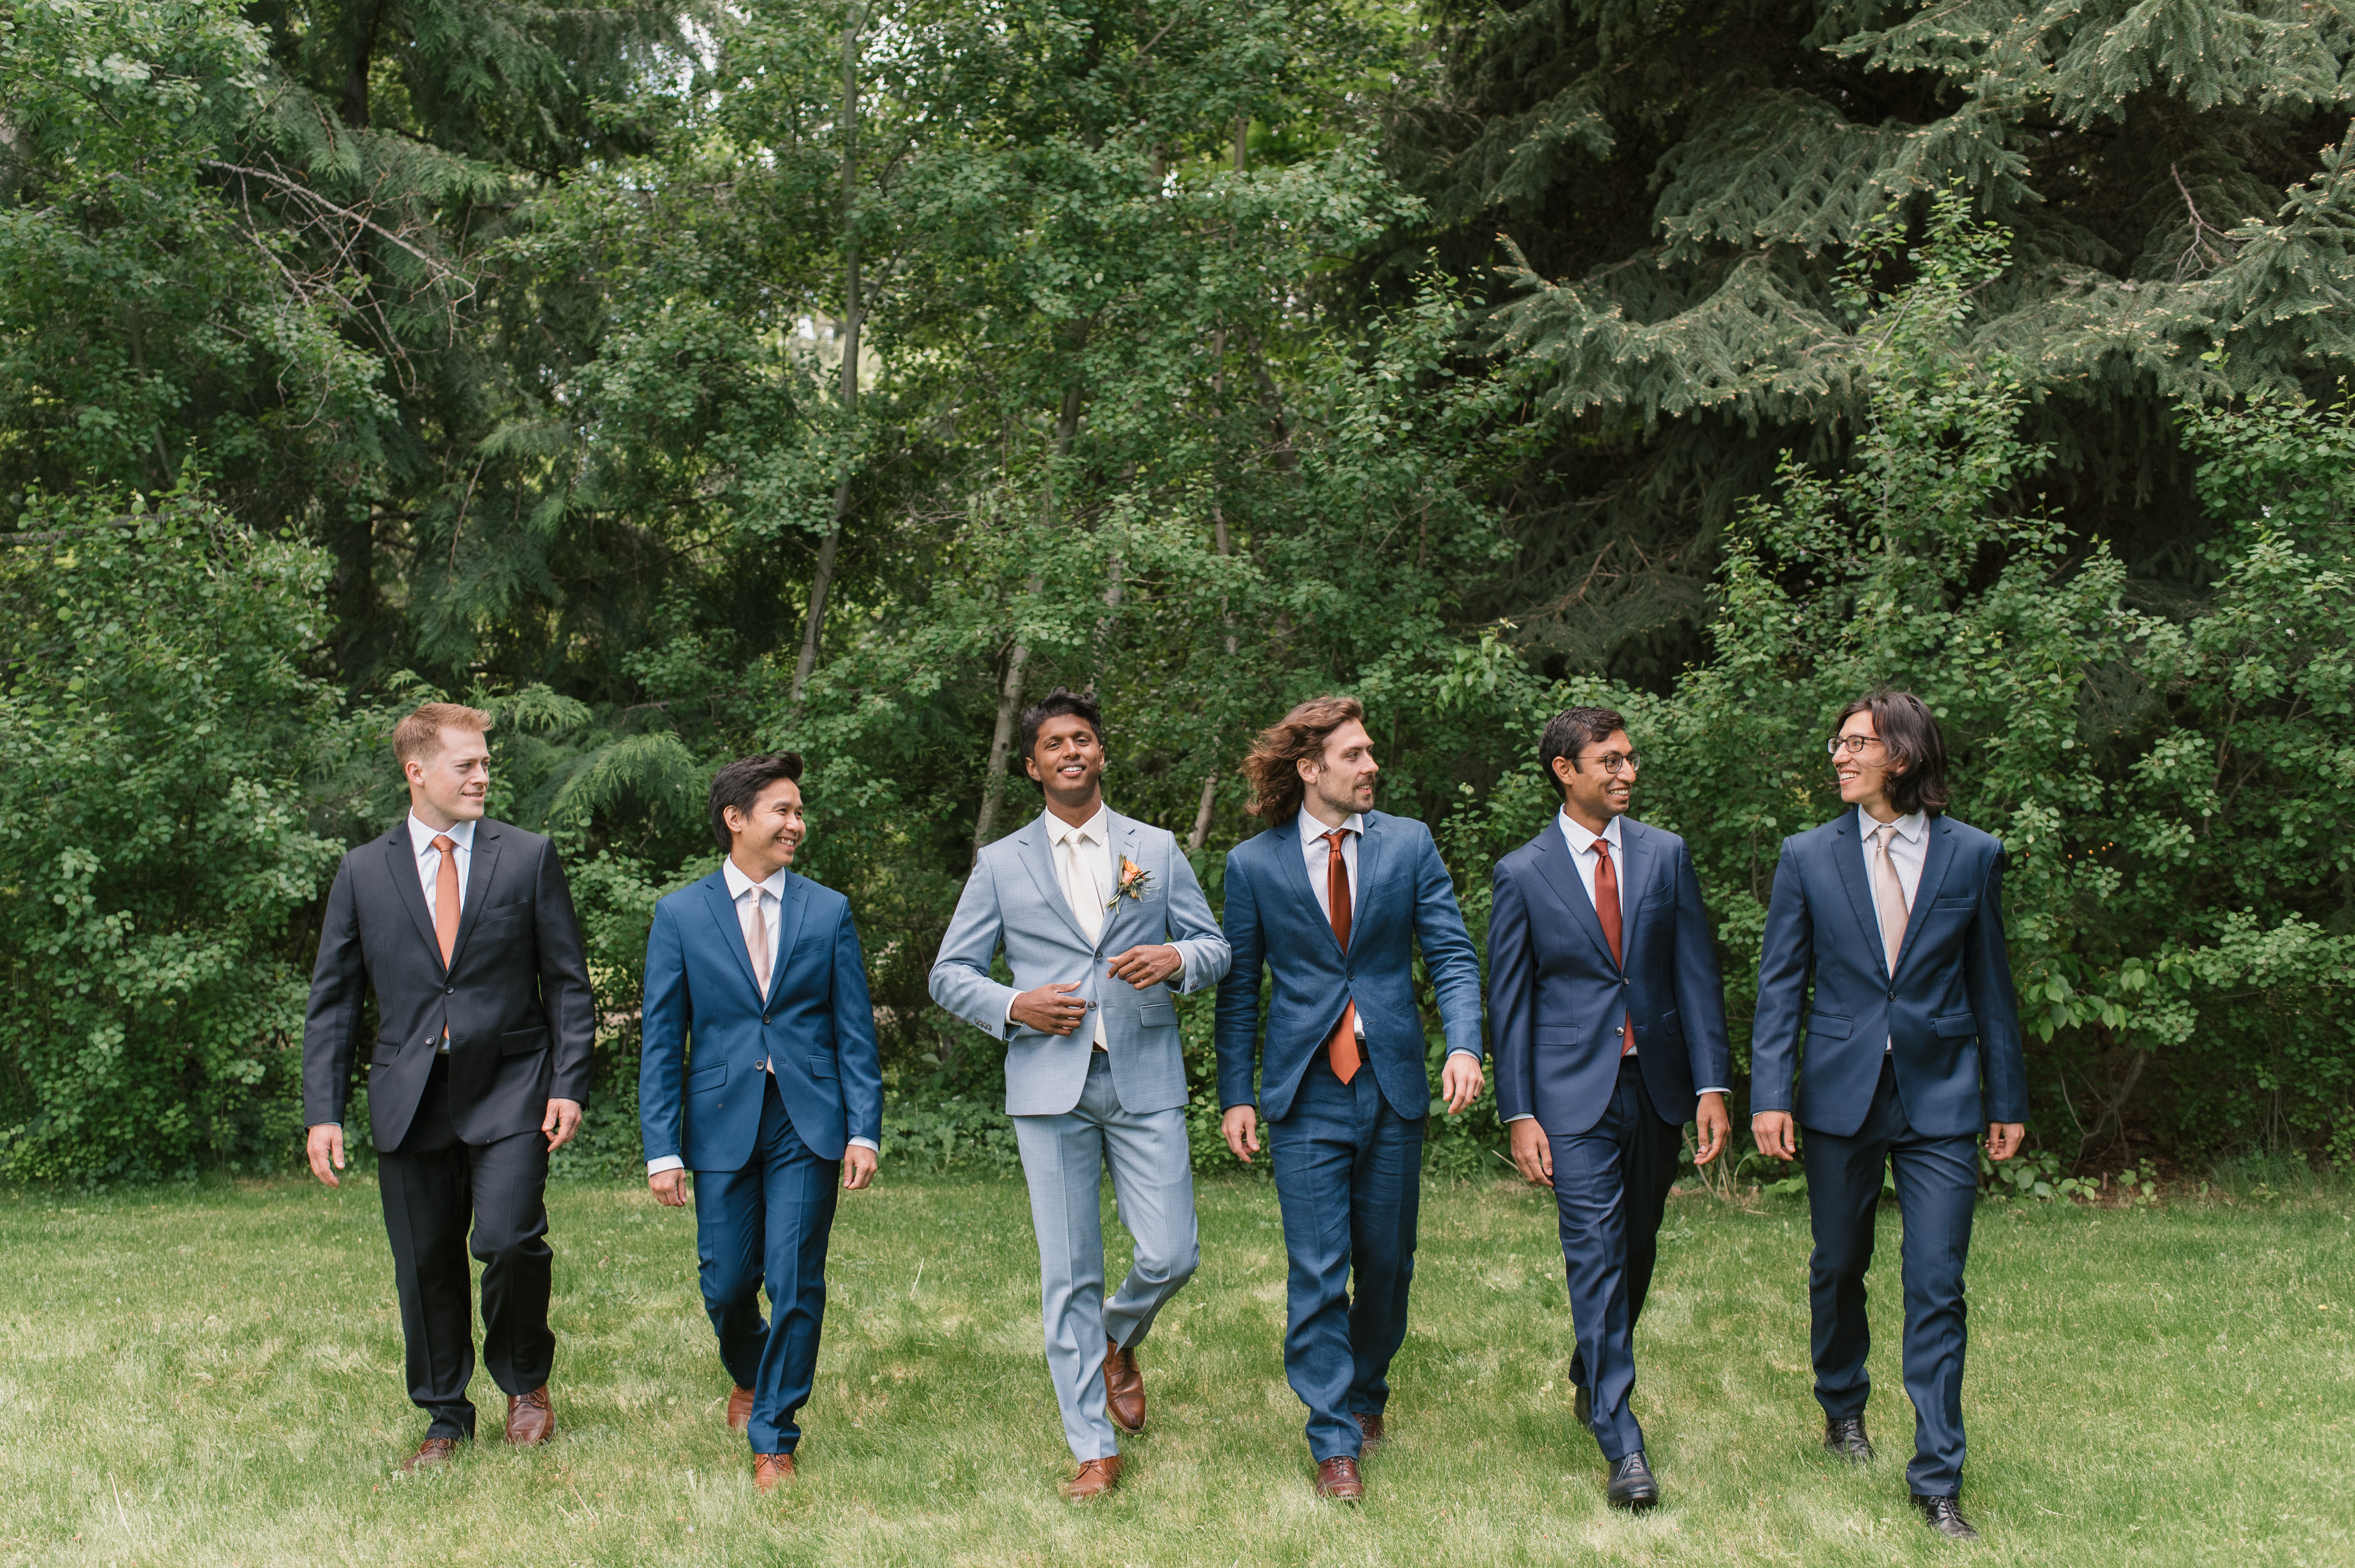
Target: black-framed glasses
pixel 1853 745
pixel 1615 764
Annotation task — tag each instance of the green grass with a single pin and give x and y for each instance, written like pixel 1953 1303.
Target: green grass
pixel 212 1376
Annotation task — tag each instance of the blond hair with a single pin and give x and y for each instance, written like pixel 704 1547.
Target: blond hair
pixel 417 738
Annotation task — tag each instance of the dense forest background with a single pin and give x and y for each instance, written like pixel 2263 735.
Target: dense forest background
pixel 679 380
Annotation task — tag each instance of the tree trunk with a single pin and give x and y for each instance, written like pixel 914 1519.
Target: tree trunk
pixel 813 621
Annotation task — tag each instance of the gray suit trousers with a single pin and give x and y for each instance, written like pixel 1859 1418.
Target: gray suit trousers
pixel 1064 1157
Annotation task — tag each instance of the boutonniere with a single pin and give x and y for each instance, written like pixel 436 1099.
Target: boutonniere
pixel 1135 881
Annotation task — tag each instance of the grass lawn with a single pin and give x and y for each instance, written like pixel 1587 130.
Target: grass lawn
pixel 211 1376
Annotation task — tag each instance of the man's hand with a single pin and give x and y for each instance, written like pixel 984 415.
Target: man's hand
pixel 1533 1151
pixel 1716 1128
pixel 1460 1080
pixel 1049 1010
pixel 326 1143
pixel 669 1187
pixel 2003 1139
pixel 1774 1134
pixel 563 1120
pixel 1239 1126
pixel 858 1166
pixel 1143 966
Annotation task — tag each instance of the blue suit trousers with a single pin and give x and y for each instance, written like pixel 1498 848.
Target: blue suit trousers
pixel 1348 1176
pixel 768 1222
pixel 1937 1188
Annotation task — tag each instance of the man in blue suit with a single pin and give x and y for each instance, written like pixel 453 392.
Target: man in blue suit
pixel 1895 912
pixel 1609 1019
pixel 1079 898
pixel 761 970
pixel 1332 899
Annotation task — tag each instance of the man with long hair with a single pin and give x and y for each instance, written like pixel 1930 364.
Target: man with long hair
pixel 1101 921
pixel 1332 899
pixel 1894 911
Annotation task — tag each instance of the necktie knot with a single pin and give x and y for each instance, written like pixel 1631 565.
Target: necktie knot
pixel 445 843
pixel 1603 848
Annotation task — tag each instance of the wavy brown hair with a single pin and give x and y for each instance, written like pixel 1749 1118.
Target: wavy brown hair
pixel 1274 765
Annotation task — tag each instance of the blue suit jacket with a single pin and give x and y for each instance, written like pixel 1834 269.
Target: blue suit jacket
pixel 1402 895
pixel 1556 998
pixel 1948 1017
pixel 815 1024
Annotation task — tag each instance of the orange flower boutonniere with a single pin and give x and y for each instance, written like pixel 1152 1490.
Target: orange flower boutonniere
pixel 1135 883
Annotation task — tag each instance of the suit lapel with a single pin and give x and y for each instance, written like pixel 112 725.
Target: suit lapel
pixel 1637 858
pixel 412 891
pixel 484 859
pixel 793 902
pixel 723 909
pixel 1848 850
pixel 1939 855
pixel 1369 855
pixel 1561 875
pixel 1038 855
pixel 1123 834
pixel 1292 869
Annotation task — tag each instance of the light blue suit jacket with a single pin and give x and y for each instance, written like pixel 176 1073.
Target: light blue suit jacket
pixel 1013 898
pixel 815 1024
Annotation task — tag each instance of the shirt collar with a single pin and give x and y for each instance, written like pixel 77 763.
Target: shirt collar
pixel 1096 827
pixel 1311 830
pixel 1579 839
pixel 738 881
pixel 420 838
pixel 1909 827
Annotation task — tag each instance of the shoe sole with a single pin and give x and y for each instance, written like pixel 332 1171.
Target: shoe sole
pixel 1636 1505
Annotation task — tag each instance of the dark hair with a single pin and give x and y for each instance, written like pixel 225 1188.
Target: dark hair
pixel 1570 732
pixel 1057 704
pixel 1909 734
pixel 1273 766
pixel 739 783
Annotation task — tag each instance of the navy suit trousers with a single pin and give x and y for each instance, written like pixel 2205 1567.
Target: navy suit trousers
pixel 768 1222
pixel 1348 1176
pixel 1610 1187
pixel 1937 1188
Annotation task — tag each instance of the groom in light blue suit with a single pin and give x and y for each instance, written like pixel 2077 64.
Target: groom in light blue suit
pixel 1093 1069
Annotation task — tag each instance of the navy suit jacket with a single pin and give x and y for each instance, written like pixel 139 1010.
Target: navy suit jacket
pixel 1402 895
pixel 1948 1017
pixel 1556 996
pixel 816 1025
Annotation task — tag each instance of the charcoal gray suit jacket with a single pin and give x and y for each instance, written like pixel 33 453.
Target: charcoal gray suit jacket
pixel 515 996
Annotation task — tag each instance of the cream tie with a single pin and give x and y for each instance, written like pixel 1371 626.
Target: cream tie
pixel 1888 895
pixel 1080 878
pixel 756 939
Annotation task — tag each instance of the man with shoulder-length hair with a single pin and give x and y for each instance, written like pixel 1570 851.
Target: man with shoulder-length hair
pixel 1332 899
pixel 1079 898
pixel 758 1072
pixel 462 928
pixel 1609 1018
pixel 1895 911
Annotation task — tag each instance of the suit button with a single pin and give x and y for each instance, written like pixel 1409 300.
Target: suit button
pixel 1624 980
pixel 448 990
pixel 1892 993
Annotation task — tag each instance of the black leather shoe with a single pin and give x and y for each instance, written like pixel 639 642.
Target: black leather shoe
pixel 1945 1515
pixel 1632 1486
pixel 1844 1438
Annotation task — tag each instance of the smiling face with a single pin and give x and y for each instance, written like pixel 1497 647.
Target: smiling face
pixel 1341 783
pixel 1864 770
pixel 1067 758
pixel 1591 794
pixel 452 785
pixel 762 840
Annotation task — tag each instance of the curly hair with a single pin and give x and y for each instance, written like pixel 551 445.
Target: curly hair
pixel 1273 766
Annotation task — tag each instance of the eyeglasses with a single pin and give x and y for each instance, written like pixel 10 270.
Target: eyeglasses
pixel 1615 765
pixel 1853 745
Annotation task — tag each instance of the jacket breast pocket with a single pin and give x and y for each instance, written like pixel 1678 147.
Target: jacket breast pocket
pixel 1831 1026
pixel 704 1079
pixel 1660 897
pixel 524 1041
pixel 500 914
pixel 1968 902
pixel 1956 1026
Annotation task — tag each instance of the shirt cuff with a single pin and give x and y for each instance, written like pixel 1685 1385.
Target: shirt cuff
pixel 1471 1052
pixel 869 1144
pixel 667 1162
pixel 1510 1120
pixel 1713 1089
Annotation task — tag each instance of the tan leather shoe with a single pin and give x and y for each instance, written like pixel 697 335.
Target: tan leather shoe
pixel 740 1408
pixel 1123 1389
pixel 1096 1477
pixel 431 1452
pixel 769 1471
pixel 1369 1428
pixel 531 1420
pixel 1339 1479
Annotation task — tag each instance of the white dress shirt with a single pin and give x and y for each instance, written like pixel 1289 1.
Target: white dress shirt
pixel 1317 850
pixel 1083 869
pixel 429 871
pixel 1909 846
pixel 773 906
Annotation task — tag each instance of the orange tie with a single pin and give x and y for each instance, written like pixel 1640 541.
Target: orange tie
pixel 445 898
pixel 1343 1047
pixel 1606 910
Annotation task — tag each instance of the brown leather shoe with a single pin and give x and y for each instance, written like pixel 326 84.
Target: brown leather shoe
pixel 531 1420
pixel 740 1408
pixel 1339 1479
pixel 1096 1477
pixel 769 1471
pixel 431 1452
pixel 1123 1389
pixel 1370 1427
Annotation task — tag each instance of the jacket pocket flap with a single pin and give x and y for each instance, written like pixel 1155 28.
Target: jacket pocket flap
pixel 1829 1025
pixel 710 1077
pixel 1956 1026
pixel 524 1041
pixel 1157 1015
pixel 1668 1023
pixel 1554 1034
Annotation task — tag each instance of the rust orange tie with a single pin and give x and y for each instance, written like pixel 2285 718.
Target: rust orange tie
pixel 1606 910
pixel 1343 1047
pixel 445 898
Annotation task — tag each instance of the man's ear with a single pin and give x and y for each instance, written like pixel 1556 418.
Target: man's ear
pixel 1031 765
pixel 1309 768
